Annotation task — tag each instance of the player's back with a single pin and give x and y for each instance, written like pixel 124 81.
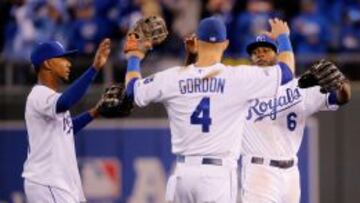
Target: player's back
pixel 201 113
pixel 205 106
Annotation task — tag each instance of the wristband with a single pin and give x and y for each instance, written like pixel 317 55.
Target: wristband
pixel 284 43
pixel 133 64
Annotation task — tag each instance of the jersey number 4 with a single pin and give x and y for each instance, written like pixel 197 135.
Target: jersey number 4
pixel 201 115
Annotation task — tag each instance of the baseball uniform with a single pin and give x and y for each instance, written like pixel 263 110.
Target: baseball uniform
pixel 206 109
pixel 51 163
pixel 272 136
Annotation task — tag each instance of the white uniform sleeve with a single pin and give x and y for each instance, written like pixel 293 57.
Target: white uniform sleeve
pixel 44 101
pixel 258 82
pixel 149 89
pixel 315 101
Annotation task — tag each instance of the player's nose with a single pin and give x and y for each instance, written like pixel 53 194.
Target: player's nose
pixel 260 55
pixel 68 64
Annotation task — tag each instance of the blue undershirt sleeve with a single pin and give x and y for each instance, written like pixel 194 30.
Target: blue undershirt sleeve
pixel 75 91
pixel 286 74
pixel 130 88
pixel 332 98
pixel 80 121
pixel 133 64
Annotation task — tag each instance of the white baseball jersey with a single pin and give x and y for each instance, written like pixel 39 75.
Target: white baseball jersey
pixel 275 125
pixel 206 114
pixel 51 157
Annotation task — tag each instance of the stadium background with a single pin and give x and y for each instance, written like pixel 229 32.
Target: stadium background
pixel 121 159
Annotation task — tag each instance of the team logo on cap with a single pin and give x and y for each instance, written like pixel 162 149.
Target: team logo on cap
pixel 212 39
pixel 260 38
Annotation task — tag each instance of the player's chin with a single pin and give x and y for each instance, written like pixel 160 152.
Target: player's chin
pixel 66 77
pixel 263 63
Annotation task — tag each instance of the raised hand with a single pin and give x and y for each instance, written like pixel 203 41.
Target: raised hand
pixel 146 33
pixel 136 47
pixel 102 54
pixel 190 43
pixel 277 27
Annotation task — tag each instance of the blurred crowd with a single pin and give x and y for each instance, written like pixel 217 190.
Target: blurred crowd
pixel 317 27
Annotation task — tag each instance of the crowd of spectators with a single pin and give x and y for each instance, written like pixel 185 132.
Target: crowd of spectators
pixel 317 27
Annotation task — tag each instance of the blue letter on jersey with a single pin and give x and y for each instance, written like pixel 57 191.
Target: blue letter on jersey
pixel 270 107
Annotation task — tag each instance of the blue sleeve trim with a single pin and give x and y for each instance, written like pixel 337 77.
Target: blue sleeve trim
pixel 80 121
pixel 130 88
pixel 286 74
pixel 332 98
pixel 75 91
pixel 284 43
pixel 133 64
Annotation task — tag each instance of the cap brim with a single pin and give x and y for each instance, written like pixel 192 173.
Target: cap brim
pixel 254 45
pixel 68 53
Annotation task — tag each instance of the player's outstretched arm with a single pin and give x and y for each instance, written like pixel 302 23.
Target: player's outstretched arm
pixel 328 76
pixel 135 50
pixel 146 33
pixel 82 120
pixel 133 67
pixel 77 90
pixel 133 72
pixel 315 101
pixel 280 32
pixel 343 94
pixel 142 37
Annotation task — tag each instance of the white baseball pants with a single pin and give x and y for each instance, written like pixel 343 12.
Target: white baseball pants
pixel 262 183
pixel 194 182
pixel 37 193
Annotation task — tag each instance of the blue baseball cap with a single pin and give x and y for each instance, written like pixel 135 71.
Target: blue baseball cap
pixel 261 41
pixel 48 50
pixel 212 30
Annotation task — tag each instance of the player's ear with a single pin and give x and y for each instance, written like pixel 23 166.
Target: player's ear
pixel 46 65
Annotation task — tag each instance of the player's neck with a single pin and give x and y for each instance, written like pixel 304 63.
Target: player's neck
pixel 47 79
pixel 205 60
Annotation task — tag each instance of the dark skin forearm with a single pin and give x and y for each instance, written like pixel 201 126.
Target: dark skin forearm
pixel 343 94
pixel 190 43
pixel 190 58
pixel 94 112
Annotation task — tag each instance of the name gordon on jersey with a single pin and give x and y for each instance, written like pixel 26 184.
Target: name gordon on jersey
pixel 196 85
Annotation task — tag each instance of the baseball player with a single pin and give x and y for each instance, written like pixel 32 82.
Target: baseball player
pixel 50 170
pixel 206 106
pixel 274 129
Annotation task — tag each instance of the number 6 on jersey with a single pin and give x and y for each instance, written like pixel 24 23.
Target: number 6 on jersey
pixel 291 121
pixel 202 119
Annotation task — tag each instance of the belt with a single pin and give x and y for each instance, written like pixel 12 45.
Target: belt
pixel 276 163
pixel 204 160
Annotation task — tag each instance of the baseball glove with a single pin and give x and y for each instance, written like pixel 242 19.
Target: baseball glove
pixel 115 102
pixel 323 73
pixel 146 33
